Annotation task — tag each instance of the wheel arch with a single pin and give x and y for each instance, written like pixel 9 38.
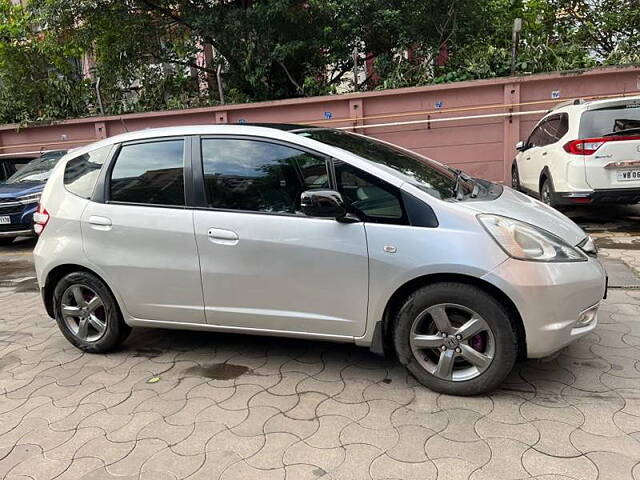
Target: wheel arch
pixel 54 276
pixel 383 341
pixel 544 174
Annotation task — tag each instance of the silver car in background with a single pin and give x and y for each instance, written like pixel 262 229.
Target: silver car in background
pixel 314 233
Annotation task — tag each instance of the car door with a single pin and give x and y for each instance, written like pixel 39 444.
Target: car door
pixel 530 159
pixel 141 233
pixel 265 265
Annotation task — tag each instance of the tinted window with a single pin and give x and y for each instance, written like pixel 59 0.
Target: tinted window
pixel 429 176
pixel 81 173
pixel 595 123
pixel 259 176
pixel 369 197
pixel 550 130
pixel 149 173
pixel 38 170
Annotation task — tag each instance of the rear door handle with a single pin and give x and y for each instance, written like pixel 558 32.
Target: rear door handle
pixel 100 223
pixel 223 237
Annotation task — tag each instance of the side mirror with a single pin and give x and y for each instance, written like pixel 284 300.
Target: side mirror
pixel 323 203
pixel 521 146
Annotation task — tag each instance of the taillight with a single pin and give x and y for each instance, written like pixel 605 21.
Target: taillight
pixel 587 146
pixel 40 219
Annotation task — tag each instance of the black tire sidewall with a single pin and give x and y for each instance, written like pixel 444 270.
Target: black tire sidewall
pixel 549 185
pixel 116 331
pixel 494 313
pixel 516 174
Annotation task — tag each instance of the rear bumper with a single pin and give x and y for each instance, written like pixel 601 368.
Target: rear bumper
pixel 600 196
pixel 550 298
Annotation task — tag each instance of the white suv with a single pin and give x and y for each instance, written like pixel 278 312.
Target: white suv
pixel 583 152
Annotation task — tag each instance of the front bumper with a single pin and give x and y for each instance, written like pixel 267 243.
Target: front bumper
pixel 600 196
pixel 21 221
pixel 550 298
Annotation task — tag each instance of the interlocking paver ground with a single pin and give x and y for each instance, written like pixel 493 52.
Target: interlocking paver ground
pixel 306 409
pixel 240 407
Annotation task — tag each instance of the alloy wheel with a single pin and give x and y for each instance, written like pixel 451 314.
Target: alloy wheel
pixel 452 342
pixel 84 313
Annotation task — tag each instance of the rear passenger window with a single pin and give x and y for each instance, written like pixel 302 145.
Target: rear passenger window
pixel 550 130
pixel 259 176
pixel 151 173
pixel 81 173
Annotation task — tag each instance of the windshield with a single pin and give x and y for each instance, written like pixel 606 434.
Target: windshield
pixel 36 171
pixel 431 177
pixel 603 121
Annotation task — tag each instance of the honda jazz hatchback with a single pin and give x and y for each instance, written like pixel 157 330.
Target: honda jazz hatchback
pixel 311 233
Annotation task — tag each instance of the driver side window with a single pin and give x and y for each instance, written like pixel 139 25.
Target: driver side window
pixel 259 176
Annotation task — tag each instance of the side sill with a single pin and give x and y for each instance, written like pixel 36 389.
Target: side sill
pixel 138 322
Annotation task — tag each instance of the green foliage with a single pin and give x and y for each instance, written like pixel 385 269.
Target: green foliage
pixel 146 54
pixel 39 80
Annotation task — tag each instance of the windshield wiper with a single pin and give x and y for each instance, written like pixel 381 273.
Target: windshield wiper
pixel 458 189
pixel 623 132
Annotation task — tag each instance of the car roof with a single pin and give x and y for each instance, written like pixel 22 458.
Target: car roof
pixel 275 130
pixel 580 104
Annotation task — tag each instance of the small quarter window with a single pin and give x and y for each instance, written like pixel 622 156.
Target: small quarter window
pixel 81 173
pixel 369 197
pixel 151 173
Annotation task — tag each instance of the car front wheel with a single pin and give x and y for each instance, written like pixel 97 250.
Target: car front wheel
pixel 455 338
pixel 88 314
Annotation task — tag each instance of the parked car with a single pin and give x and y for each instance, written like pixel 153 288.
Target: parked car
pixel 583 152
pixel 19 196
pixel 312 233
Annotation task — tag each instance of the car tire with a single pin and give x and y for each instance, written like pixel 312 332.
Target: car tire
pixel 87 313
pixel 6 240
pixel 547 192
pixel 417 330
pixel 515 177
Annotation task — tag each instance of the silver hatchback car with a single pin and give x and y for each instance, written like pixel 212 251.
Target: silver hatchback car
pixel 313 233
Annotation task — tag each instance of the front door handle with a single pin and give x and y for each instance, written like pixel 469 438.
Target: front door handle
pixel 100 223
pixel 223 237
pixel 544 153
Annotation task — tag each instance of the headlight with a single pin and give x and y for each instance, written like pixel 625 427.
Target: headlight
pixel 31 198
pixel 525 242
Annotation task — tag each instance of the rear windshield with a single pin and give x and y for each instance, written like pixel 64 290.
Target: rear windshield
pixel 596 123
pixel 431 177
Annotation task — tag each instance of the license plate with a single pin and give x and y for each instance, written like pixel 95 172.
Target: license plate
pixel 628 175
pixel 5 220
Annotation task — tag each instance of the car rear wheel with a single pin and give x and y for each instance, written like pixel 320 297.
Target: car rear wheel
pixel 546 193
pixel 455 338
pixel 88 314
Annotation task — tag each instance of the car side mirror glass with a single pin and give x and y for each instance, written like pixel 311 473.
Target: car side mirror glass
pixel 323 203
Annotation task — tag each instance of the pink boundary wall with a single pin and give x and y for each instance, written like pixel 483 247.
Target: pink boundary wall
pixel 482 146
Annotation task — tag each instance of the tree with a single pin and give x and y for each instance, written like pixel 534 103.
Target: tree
pixel 38 79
